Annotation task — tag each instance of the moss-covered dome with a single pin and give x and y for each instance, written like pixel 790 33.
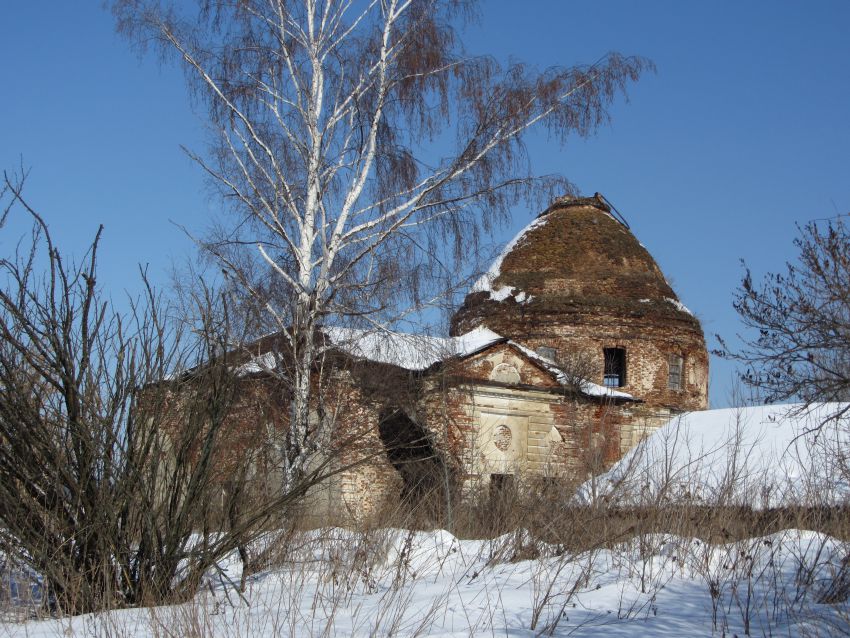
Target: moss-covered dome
pixel 575 259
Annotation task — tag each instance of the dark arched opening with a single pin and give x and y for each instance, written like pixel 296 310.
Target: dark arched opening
pixel 410 449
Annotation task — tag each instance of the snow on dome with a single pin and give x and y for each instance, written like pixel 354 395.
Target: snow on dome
pixel 763 456
pixel 573 264
pixel 485 281
pixel 678 305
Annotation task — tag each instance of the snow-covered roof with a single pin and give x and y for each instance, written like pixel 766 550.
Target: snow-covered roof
pixel 410 351
pixel 762 456
pixel 419 352
pixel 263 363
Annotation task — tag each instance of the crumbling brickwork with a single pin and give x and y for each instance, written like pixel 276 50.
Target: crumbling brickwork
pixel 577 299
pixel 581 283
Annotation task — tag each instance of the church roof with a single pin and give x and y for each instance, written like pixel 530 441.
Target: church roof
pixel 416 352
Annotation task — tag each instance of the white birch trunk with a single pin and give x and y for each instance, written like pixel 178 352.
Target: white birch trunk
pixel 305 124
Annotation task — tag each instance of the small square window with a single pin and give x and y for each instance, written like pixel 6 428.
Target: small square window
pixel 675 371
pixel 615 367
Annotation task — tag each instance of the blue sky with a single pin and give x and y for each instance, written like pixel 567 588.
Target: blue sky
pixel 742 132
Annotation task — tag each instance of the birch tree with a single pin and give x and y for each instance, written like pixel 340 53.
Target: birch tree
pixel 359 151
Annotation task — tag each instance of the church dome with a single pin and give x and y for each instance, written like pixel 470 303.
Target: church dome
pixel 577 277
pixel 575 258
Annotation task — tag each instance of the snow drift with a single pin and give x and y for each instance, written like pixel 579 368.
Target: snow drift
pixel 763 456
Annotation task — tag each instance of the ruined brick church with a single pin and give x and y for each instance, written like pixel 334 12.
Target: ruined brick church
pixel 568 351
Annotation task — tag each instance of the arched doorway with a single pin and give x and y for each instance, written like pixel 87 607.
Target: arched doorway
pixel 411 450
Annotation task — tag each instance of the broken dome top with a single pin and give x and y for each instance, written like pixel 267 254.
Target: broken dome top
pixel 571 201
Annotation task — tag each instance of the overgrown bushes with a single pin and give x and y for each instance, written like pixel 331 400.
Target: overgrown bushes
pixel 112 435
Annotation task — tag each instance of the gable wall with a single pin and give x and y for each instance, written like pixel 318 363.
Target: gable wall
pixel 531 428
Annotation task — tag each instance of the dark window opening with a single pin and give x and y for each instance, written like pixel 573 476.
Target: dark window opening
pixel 502 504
pixel 411 452
pixel 675 371
pixel 615 367
pixel 501 486
pixel 547 352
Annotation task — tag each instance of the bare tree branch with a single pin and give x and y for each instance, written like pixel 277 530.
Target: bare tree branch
pixel 365 149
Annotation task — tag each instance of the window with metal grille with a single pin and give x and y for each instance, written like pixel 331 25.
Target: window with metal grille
pixel 615 367
pixel 675 371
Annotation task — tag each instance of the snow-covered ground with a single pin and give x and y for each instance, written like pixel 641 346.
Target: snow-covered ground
pixel 398 583
pixel 334 582
pixel 762 456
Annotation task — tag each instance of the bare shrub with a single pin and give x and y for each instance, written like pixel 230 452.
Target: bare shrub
pixel 117 479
